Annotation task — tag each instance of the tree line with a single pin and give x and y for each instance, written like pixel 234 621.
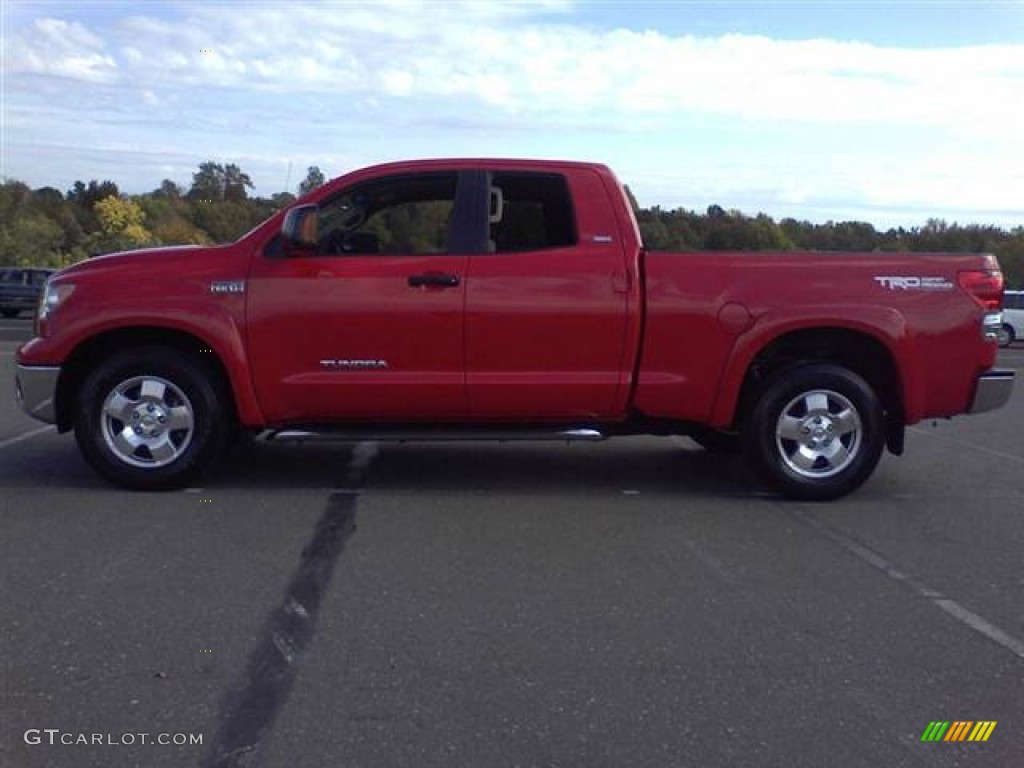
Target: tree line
pixel 48 227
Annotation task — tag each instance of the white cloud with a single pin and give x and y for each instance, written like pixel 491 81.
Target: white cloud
pixel 968 188
pixel 489 54
pixel 63 49
pixel 503 76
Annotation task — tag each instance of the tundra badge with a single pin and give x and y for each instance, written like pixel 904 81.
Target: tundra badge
pixel 356 365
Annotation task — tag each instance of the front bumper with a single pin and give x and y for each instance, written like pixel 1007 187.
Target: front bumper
pixel 36 387
pixel 993 390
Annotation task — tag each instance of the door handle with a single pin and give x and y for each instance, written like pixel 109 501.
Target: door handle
pixel 439 279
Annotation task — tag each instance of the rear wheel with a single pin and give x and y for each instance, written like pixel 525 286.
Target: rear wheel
pixel 1005 335
pixel 816 433
pixel 151 418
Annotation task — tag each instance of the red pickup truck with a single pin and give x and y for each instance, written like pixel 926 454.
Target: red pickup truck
pixel 505 299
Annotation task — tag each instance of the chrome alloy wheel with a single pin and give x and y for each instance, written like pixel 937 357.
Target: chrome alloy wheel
pixel 147 421
pixel 818 434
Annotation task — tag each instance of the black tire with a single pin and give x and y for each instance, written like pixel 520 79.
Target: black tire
pixel 717 442
pixel 9 313
pixel 816 432
pixel 131 391
pixel 1005 335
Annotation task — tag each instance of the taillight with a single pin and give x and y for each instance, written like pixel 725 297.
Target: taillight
pixel 985 286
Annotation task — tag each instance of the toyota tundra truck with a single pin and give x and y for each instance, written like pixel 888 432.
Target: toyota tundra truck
pixel 476 299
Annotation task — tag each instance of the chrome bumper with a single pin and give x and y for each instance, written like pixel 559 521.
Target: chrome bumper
pixel 993 390
pixel 35 388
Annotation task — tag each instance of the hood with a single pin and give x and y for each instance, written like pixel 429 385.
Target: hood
pixel 164 256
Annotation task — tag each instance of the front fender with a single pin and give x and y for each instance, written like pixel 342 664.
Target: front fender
pixel 215 327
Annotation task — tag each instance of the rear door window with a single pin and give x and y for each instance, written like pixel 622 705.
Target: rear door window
pixel 529 212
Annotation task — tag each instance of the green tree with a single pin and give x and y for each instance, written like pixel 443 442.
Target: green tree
pixel 177 230
pixel 86 197
pixel 653 230
pixel 83 198
pixel 51 203
pixel 1011 258
pixel 167 189
pixel 282 200
pixel 214 182
pixel 15 197
pixel 767 235
pixel 30 239
pixel 314 178
pixel 208 183
pixel 235 183
pixel 223 222
pixel 167 218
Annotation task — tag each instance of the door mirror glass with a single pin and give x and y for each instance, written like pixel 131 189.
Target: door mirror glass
pixel 299 230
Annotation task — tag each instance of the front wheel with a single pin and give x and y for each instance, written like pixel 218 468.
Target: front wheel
pixel 816 432
pixel 151 418
pixel 1005 335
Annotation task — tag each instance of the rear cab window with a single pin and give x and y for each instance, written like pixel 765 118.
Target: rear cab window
pixel 529 212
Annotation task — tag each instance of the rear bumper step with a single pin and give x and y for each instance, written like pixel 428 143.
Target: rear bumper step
pixel 994 388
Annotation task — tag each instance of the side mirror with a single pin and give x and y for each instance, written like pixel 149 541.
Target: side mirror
pixel 299 229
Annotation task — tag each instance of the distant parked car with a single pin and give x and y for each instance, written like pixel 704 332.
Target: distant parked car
pixel 1013 318
pixel 20 288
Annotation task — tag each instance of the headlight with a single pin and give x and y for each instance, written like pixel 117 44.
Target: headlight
pixel 53 295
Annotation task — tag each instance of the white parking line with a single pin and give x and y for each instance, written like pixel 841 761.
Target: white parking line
pixel 26 436
pixel 967 617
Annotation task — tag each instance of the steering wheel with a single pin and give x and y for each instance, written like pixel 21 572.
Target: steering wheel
pixel 334 243
pixel 352 219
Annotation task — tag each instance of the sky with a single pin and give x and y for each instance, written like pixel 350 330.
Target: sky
pixel 891 112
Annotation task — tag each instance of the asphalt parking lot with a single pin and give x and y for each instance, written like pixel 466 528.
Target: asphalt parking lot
pixel 631 603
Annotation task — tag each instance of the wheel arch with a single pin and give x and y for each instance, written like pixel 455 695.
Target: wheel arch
pixel 92 351
pixel 855 349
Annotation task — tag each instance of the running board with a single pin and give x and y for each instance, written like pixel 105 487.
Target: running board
pixel 427 434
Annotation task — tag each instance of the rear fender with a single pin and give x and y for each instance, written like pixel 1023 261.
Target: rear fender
pixel 883 324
